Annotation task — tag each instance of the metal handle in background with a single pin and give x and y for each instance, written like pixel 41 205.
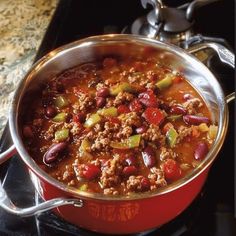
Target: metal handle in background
pixel 194 5
pixel 7 205
pixel 225 55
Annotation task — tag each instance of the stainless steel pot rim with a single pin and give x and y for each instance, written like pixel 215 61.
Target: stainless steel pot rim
pixel 222 126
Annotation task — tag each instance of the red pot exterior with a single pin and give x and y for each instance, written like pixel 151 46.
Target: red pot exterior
pixel 128 216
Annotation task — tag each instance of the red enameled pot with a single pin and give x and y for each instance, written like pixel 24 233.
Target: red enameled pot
pixel 118 214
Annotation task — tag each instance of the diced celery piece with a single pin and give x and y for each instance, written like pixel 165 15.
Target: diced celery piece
pixel 132 142
pixel 122 87
pixel 61 102
pixel 203 127
pixel 92 120
pixel 111 111
pixel 83 187
pixel 171 137
pixel 212 132
pixel 85 146
pixel 62 134
pixel 166 82
pixel 60 117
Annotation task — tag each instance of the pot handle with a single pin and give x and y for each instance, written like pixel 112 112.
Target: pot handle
pixel 7 205
pixel 225 55
pixel 4 156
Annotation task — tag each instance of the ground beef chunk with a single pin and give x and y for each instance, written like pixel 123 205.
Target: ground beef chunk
pixel 111 172
pixel 124 132
pixel 157 178
pixel 110 191
pixel 183 132
pixel 192 105
pixel 68 174
pixel 74 127
pixel 100 85
pixel 122 97
pixel 167 153
pixel 151 85
pixel 130 119
pixel 154 134
pixel 135 77
pixel 49 134
pixel 84 102
pixel 134 183
pixel 101 140
pixel 100 143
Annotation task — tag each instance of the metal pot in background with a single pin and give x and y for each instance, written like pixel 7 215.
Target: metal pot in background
pixel 119 214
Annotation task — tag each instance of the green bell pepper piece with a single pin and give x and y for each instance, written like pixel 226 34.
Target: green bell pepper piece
pixel 132 142
pixel 61 102
pixel 60 117
pixel 85 146
pixel 171 137
pixel 62 134
pixel 122 87
pixel 83 187
pixel 111 111
pixel 92 120
pixel 166 82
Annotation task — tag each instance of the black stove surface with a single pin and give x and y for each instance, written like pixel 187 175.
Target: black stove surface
pixel 212 213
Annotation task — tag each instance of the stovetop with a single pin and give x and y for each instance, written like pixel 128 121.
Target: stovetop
pixel 212 213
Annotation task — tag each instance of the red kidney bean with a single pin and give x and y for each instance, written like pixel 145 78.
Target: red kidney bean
pixel 91 171
pixel 164 107
pixel 142 129
pixel 148 98
pixel 100 102
pixel 50 111
pixel 129 170
pixel 131 161
pixel 80 117
pixel 201 151
pixel 135 106
pixel 54 152
pixel 145 184
pixel 149 156
pixel 171 170
pixel 178 110
pixel 195 120
pixel 28 131
pixel 103 92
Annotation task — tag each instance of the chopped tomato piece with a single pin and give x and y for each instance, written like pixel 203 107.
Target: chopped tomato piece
pixel 123 109
pixel 148 98
pixel 153 115
pixel 171 170
pixel 113 120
